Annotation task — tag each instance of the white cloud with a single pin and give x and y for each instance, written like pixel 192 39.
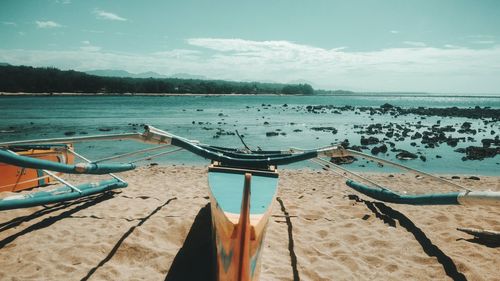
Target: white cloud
pixel 47 24
pixel 483 42
pixel 108 16
pixel 447 69
pixel 394 31
pixel 92 31
pixel 415 43
pixel 88 47
pixel 480 36
pixel 9 23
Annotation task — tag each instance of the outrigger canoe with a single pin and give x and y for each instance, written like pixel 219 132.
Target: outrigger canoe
pixel 49 165
pixel 16 178
pixel 242 186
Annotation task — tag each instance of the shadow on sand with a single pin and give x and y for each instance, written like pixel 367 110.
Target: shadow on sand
pixel 482 241
pixel 389 216
pixel 87 202
pixel 195 260
pixel 45 211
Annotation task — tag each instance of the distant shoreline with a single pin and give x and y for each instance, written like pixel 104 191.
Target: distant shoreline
pixel 129 94
pixel 361 94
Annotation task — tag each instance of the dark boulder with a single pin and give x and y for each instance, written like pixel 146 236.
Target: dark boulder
pixel 271 134
pixel 406 155
pixel 342 160
pixel 479 153
pixel 325 129
pixel 379 149
pixel 417 135
pixel 369 141
pixel 358 148
pixel 489 142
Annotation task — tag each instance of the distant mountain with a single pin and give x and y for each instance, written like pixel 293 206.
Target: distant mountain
pixel 4 64
pixel 124 73
pixel 110 73
pixel 148 74
pixel 188 76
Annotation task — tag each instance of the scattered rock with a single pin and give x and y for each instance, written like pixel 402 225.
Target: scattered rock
pixel 380 149
pixel 325 129
pixel 417 135
pixel 342 160
pixel 406 155
pixel 369 141
pixel 478 153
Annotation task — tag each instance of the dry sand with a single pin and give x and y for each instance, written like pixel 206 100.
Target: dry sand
pixel 159 229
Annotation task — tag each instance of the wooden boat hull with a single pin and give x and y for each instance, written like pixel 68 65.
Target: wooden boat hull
pixel 16 178
pixel 240 205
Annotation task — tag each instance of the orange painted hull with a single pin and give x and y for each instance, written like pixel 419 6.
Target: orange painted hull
pixel 13 178
pixel 238 236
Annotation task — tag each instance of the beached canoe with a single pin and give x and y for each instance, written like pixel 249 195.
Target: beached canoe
pixel 240 204
pixel 16 178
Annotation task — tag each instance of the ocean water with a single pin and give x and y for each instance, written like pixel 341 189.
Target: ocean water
pixel 200 117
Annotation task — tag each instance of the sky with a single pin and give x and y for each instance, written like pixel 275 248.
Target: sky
pixel 431 46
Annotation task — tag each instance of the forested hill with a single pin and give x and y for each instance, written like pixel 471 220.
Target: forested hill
pixel 26 79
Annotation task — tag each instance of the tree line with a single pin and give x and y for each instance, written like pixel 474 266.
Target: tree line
pixel 27 79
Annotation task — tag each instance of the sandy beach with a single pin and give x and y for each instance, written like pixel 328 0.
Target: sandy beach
pixel 158 228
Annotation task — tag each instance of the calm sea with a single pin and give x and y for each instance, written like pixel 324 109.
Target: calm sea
pixel 200 117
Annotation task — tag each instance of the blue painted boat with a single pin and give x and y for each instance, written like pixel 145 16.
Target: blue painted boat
pixel 241 202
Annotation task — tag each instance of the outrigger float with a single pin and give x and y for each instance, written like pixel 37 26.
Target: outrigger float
pixel 242 185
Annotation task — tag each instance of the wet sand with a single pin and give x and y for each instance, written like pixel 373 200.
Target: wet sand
pixel 158 228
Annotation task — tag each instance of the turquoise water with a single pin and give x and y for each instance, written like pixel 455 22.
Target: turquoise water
pixel 43 117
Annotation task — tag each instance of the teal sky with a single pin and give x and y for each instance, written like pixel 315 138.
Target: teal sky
pixel 432 46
